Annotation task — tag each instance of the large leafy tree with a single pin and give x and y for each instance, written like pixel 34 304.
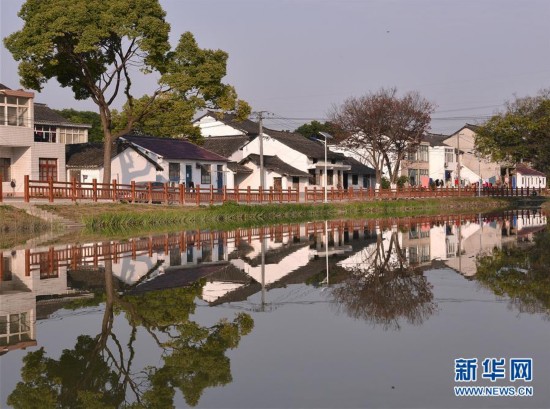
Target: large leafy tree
pixel 100 48
pixel 520 133
pixel 314 127
pixel 382 127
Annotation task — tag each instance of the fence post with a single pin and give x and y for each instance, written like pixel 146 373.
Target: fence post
pixel 133 191
pixel 150 192
pixel 248 194
pixel 73 189
pixel 314 194
pixel 26 192
pixel 50 189
pixel 305 194
pixel 94 190
pixel 198 198
pixel 332 193
pixel 224 194
pixel 181 193
pixel 211 194
pixel 165 192
pixel 1 198
pixel 270 194
pixel 289 190
pixel 298 194
pixel 237 193
pixel 114 190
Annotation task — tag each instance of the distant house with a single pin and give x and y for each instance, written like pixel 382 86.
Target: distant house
pixel 236 140
pixel 433 159
pixel 525 177
pixel 230 147
pixel 473 167
pixel 32 140
pixel 278 174
pixel 142 158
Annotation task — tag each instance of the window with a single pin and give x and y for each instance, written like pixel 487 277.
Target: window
pixel 449 155
pixel 45 133
pixel 14 111
pixel 73 135
pixel 5 171
pixel 365 181
pixel 424 172
pixel 47 168
pixel 330 177
pixel 423 153
pixel 206 176
pixel 354 179
pixel 174 172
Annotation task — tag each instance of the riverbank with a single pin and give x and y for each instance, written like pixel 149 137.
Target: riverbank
pixel 16 226
pixel 99 217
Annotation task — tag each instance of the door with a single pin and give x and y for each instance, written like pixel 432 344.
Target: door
pixel 188 176
pixel 295 182
pixel 74 174
pixel 220 177
pixel 345 180
pixel 277 184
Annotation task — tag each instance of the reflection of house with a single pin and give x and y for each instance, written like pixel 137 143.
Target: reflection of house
pixel 32 140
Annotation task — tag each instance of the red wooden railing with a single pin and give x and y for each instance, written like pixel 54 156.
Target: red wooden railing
pixel 168 194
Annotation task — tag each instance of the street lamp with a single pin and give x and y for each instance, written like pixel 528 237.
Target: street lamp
pixel 326 136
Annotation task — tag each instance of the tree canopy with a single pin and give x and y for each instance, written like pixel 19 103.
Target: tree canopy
pixel 314 127
pixel 100 48
pixel 520 133
pixel 382 127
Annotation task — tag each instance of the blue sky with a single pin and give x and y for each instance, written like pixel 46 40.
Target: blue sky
pixel 296 58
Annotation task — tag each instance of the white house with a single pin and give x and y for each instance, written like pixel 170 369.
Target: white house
pixel 526 177
pixel 143 158
pixel 32 140
pixel 236 140
pixel 278 174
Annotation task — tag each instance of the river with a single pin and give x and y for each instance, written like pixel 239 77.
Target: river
pixel 329 314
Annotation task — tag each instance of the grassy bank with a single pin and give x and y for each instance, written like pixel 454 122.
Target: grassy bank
pixel 16 226
pixel 101 217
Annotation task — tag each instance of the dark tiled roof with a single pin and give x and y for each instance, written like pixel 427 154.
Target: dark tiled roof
pixel 247 126
pixel 225 145
pixel 435 139
pixel 358 168
pixel 45 115
pixel 2 86
pixel 170 148
pixel 524 170
pixel 90 155
pixel 300 143
pixel 275 164
pixel 238 168
pixel 471 127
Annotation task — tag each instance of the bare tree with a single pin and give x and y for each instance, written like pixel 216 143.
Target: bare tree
pixel 381 128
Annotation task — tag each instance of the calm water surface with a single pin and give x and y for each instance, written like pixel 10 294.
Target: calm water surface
pixel 253 318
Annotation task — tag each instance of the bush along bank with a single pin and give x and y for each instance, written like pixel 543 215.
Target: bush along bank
pixel 231 214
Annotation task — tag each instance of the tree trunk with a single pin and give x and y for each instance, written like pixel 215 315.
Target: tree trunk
pixel 105 115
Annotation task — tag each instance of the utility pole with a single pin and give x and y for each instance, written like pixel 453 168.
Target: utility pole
pixel 260 135
pixel 458 160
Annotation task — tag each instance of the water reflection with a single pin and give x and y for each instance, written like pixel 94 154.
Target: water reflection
pixel 371 270
pixel 520 273
pixel 383 287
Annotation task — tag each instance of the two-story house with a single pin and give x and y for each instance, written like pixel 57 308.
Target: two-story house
pixel 32 140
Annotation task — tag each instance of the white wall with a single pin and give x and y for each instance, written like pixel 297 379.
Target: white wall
pixel 130 165
pixel 212 127
pixel 436 162
pixel 530 181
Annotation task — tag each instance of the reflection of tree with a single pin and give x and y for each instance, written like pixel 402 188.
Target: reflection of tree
pixel 97 372
pixel 388 290
pixel 523 274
